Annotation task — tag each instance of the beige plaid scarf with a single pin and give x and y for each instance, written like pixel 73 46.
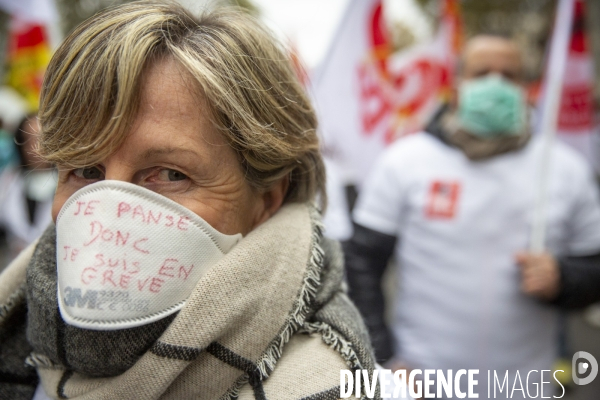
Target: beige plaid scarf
pixel 269 321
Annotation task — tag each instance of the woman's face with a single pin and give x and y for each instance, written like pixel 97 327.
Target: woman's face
pixel 172 149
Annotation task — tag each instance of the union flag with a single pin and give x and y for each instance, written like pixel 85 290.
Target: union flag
pixel 370 91
pixel 29 53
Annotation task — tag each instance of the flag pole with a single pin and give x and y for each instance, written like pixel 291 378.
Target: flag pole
pixel 551 107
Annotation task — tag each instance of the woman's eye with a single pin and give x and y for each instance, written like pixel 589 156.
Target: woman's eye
pixel 89 173
pixel 171 175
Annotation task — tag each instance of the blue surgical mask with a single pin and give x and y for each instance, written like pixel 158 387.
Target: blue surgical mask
pixel 492 106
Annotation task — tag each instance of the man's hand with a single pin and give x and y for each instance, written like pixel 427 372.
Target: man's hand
pixel 540 275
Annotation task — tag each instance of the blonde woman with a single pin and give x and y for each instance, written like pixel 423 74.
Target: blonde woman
pixel 187 259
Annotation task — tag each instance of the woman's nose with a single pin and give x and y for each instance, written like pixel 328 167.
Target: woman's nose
pixel 117 169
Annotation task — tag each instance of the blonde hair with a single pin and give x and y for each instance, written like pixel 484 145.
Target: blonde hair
pixel 91 90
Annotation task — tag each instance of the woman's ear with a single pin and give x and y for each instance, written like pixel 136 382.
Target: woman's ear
pixel 272 199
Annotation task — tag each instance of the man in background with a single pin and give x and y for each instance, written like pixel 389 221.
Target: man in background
pixel 454 205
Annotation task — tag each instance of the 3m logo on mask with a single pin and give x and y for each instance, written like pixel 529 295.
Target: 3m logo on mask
pixel 124 257
pixel 103 300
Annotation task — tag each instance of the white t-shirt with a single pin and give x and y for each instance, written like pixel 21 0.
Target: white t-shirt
pixel 337 217
pixel 459 224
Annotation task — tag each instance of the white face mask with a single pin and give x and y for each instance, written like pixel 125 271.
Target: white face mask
pixel 127 256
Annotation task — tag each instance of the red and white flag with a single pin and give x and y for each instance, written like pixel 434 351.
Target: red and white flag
pixel 575 125
pixel 368 94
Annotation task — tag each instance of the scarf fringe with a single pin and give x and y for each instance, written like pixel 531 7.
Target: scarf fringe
pixel 334 339
pixel 234 392
pixel 302 308
pixel 16 298
pixel 39 360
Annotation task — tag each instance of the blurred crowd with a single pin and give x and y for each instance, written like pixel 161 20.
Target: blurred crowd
pixel 28 185
pixel 448 210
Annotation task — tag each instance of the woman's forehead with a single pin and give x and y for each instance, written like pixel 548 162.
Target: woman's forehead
pixel 168 90
pixel 171 112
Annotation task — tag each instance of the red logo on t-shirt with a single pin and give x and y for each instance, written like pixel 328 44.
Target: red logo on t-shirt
pixel 443 198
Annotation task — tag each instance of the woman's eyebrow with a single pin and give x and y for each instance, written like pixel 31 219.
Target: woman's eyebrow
pixel 167 151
